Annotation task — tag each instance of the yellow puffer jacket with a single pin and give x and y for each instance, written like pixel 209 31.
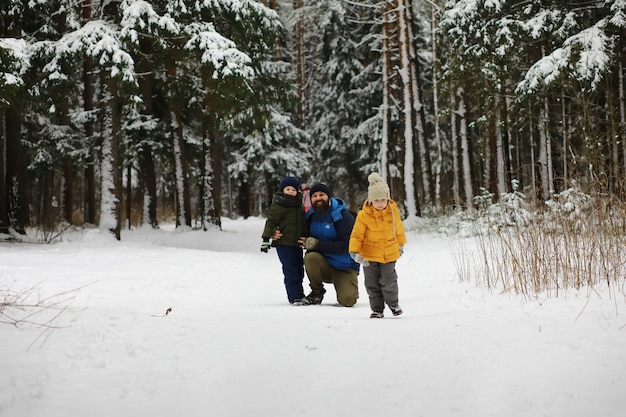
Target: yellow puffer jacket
pixel 378 234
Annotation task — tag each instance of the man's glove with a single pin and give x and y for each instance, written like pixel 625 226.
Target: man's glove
pixel 310 243
pixel 265 246
pixel 359 259
pixel 401 250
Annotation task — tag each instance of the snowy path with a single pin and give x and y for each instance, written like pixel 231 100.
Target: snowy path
pixel 232 346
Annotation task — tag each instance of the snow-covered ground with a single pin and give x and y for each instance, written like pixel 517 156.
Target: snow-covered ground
pixel 232 346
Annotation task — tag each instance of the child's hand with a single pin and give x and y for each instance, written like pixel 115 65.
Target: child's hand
pixel 265 246
pixel 277 234
pixel 359 259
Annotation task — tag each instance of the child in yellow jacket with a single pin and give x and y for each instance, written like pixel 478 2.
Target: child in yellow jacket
pixel 376 242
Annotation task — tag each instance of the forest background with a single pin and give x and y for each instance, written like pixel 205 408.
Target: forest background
pixel 125 112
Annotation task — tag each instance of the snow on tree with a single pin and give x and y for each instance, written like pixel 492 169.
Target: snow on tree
pixel 97 39
pixel 586 57
pixel 14 62
pixel 218 52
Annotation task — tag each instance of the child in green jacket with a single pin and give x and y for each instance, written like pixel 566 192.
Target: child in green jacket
pixel 287 215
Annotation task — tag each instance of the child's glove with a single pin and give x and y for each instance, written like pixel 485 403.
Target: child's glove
pixel 310 243
pixel 359 259
pixel 265 246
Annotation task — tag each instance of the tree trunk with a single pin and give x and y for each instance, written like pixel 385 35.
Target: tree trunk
pixel 300 66
pixel 531 134
pixel 419 123
pixel 243 199
pixel 622 118
pixel 15 210
pixel 111 167
pixel 47 213
pixel 490 151
pixel 454 139
pixel 408 107
pixel 614 142
pixel 4 192
pixel 210 214
pixel 506 141
pixel 544 144
pixel 129 196
pixel 216 163
pixel 439 172
pixel 68 190
pixel 147 174
pixel 63 108
pixel 565 134
pixel 16 183
pixel 67 185
pixel 499 156
pixel 89 215
pixel 183 200
pixel 465 151
pixel 148 187
pixel 386 91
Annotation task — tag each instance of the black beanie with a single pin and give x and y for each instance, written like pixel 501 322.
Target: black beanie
pixel 320 187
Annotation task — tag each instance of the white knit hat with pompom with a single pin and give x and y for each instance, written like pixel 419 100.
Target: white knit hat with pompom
pixel 377 189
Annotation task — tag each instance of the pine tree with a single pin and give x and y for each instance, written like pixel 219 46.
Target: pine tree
pixel 14 202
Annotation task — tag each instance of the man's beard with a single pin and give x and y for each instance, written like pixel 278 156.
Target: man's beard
pixel 320 206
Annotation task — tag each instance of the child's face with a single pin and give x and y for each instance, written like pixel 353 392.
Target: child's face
pixel 290 190
pixel 379 203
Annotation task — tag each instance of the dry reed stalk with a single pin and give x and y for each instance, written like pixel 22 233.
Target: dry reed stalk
pixel 553 252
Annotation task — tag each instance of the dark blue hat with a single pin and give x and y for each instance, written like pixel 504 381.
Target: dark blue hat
pixel 321 187
pixel 293 181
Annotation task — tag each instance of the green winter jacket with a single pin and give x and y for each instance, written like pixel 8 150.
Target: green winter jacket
pixel 286 214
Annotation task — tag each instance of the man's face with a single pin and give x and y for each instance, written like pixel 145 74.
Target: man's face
pixel 319 201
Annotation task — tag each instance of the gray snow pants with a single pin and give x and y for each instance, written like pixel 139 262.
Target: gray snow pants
pixel 381 283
